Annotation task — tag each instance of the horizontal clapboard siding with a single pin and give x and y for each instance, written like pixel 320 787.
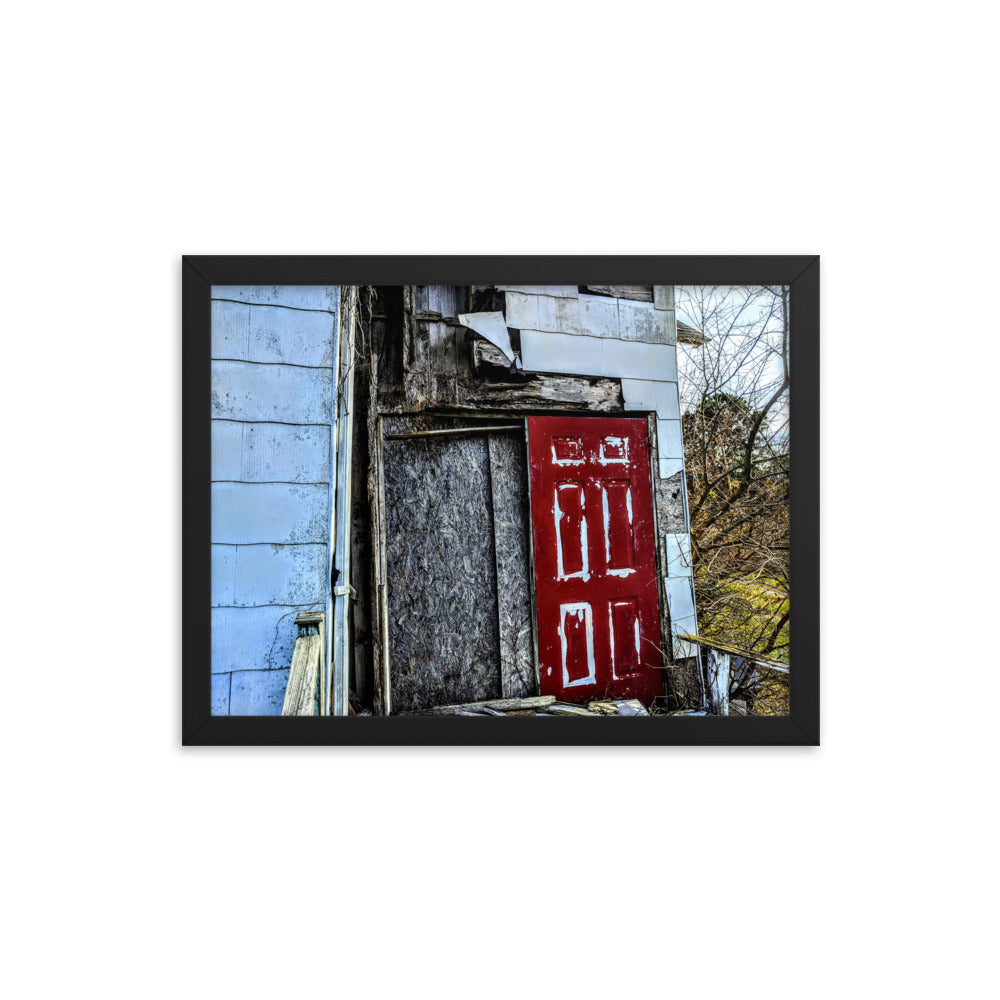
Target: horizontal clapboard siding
pixel 244 513
pixel 258 692
pixel 254 575
pixel 309 297
pixel 273 350
pixel 253 638
pixel 245 391
pixel 263 334
pixel 278 453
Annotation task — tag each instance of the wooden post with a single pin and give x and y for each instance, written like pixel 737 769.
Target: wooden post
pixel 718 681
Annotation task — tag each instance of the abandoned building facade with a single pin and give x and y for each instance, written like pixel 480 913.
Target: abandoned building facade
pixel 430 495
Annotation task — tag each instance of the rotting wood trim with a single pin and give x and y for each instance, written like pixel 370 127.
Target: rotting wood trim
pixel 430 316
pixel 487 355
pixel 455 430
pixel 689 335
pixel 530 392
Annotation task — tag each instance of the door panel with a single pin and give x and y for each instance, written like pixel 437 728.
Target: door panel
pixel 594 557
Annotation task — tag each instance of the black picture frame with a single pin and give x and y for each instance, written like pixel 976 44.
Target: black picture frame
pixel 801 273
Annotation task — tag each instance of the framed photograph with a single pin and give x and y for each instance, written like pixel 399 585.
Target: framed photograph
pixel 422 494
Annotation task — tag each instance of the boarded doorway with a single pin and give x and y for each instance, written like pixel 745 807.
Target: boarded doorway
pixel 457 563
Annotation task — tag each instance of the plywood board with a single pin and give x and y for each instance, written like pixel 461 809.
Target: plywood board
pixel 441 597
pixel 511 525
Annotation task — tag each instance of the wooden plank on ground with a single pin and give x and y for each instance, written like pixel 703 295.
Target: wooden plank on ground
pixel 499 704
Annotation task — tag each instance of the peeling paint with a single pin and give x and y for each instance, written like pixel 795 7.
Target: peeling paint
pixel 583 614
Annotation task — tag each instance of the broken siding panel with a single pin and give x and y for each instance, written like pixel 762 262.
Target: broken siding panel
pixel 245 513
pixel 670 467
pixel 573 355
pixel 511 525
pixel 670 442
pixel 253 638
pixel 258 575
pixel 440 565
pixel 261 452
pixel 310 297
pixel 669 499
pixel 244 391
pixel 268 335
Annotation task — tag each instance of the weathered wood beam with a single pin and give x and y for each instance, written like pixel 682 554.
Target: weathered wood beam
pixel 307 659
pixel 456 430
pixel 641 293
pixel 743 654
pixel 498 704
pixel 529 393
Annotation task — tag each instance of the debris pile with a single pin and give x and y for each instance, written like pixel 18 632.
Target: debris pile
pixel 542 705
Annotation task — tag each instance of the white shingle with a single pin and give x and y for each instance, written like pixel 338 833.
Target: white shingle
pixel 542 312
pixel 669 440
pixel 643 321
pixel 678 554
pixel 572 355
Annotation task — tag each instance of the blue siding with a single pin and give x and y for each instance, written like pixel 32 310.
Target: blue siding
pixel 242 390
pixel 273 350
pixel 220 694
pixel 270 453
pixel 258 692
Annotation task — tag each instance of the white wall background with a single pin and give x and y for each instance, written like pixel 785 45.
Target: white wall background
pixel 135 868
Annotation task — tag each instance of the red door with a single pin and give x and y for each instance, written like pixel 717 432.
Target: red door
pixel 595 562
